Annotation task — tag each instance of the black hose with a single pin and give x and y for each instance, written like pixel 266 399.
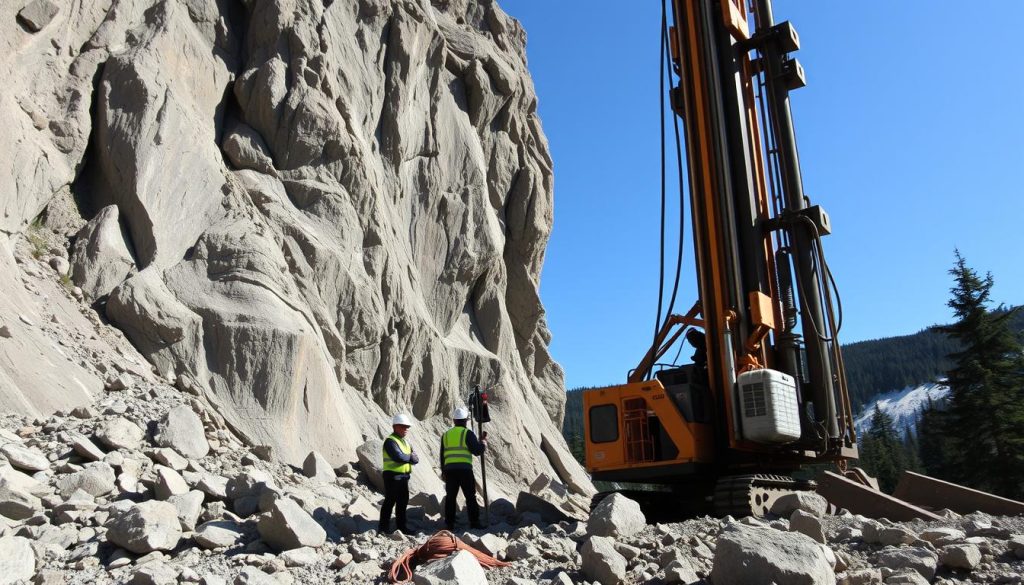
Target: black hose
pixel 661 246
pixel 681 180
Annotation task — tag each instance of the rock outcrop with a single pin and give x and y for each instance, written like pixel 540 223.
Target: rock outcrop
pixel 100 259
pixel 313 214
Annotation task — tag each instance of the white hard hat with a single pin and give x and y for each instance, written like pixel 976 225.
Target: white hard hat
pixel 402 419
pixel 460 413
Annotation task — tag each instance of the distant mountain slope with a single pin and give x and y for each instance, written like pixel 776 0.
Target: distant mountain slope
pixel 904 406
pixel 884 365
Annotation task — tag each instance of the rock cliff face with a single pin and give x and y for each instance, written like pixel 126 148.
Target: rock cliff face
pixel 315 214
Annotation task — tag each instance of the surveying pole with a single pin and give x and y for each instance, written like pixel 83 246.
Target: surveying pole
pixel 478 406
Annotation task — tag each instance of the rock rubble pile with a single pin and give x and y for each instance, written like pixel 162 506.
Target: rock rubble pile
pixel 148 484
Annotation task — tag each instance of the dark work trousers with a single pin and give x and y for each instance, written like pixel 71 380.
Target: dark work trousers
pixel 456 479
pixel 396 496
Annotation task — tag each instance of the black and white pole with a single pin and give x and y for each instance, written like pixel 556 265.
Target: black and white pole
pixel 483 461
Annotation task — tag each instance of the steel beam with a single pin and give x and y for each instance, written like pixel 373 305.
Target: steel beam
pixel 937 494
pixel 860 499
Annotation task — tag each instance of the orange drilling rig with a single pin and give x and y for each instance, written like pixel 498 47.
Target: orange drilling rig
pixel 766 392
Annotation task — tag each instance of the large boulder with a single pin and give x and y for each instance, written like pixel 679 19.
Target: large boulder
pixel 286 526
pixel 145 527
pixel 616 516
pixel 809 502
pixel 461 568
pixel 181 429
pixel 100 259
pixel 601 562
pixel 17 559
pixel 758 554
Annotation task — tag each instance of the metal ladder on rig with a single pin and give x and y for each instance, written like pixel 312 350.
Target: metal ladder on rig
pixel 638 441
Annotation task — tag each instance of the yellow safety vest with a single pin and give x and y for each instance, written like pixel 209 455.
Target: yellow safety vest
pixel 454 448
pixel 397 466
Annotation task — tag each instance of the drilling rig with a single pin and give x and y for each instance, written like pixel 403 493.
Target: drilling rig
pixel 766 392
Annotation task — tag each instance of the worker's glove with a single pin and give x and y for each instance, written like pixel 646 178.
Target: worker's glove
pixel 414 458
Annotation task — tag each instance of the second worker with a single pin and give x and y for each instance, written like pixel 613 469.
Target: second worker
pixel 458 446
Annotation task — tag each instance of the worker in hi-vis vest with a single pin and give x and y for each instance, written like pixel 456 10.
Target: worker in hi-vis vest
pixel 458 446
pixel 398 461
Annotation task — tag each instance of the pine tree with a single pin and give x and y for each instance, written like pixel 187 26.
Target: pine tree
pixel 576 447
pixel 911 456
pixel 933 441
pixel 882 452
pixel 985 421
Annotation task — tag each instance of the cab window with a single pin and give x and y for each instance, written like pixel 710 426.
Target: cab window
pixel 604 424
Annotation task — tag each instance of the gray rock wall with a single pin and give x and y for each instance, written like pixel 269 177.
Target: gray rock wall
pixel 337 210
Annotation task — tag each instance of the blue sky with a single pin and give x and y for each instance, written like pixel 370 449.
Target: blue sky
pixel 911 136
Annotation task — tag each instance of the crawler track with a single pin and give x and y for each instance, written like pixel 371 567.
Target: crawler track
pixel 737 496
pixel 753 495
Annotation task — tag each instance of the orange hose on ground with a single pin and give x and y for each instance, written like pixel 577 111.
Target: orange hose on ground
pixel 438 546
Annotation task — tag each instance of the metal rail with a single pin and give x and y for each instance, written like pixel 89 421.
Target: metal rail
pixel 936 494
pixel 861 499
